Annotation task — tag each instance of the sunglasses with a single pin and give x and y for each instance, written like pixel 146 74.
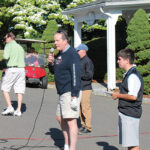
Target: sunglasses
pixel 59 31
pixel 6 38
pixel 63 33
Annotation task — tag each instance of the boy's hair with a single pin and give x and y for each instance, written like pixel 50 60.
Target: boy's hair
pixel 127 54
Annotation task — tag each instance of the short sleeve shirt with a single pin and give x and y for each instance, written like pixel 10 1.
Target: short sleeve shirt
pixel 134 85
pixel 14 54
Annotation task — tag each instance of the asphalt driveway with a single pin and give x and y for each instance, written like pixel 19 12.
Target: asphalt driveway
pixel 37 128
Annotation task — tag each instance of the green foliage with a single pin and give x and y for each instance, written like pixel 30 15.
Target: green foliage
pixel 29 18
pixel 147 84
pixel 48 34
pixel 138 40
pixel 50 77
pixel 119 73
pixel 138 31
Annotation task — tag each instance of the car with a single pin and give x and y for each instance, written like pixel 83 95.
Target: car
pixel 35 64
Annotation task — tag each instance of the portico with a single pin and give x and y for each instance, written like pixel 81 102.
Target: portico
pixel 109 10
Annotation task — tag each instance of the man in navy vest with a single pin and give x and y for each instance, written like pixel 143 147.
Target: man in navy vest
pixel 130 100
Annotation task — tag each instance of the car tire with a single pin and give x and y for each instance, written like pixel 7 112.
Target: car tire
pixel 44 82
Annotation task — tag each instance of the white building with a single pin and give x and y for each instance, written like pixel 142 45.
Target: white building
pixel 109 10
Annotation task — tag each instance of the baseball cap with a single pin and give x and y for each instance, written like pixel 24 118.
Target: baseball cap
pixel 82 47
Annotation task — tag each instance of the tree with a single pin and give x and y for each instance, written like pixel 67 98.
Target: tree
pixel 138 40
pixel 47 36
pixel 5 19
pixel 29 18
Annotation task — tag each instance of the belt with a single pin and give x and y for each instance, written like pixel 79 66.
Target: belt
pixel 12 67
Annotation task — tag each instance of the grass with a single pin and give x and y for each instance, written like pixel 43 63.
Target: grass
pixel 1 56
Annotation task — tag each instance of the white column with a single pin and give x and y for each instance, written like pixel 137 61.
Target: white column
pixel 111 51
pixel 77 33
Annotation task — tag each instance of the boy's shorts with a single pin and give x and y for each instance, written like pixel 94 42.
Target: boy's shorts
pixel 128 130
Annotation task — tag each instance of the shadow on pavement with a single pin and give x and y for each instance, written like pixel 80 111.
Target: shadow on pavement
pixel 57 137
pixel 15 104
pixel 106 146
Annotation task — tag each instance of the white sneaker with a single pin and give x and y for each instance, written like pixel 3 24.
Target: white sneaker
pixel 9 110
pixel 66 147
pixel 17 113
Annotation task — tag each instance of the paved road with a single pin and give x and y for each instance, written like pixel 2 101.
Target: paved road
pixel 16 131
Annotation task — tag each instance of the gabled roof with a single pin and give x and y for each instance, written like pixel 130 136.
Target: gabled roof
pixel 109 4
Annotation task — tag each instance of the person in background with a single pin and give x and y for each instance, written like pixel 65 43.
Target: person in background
pixel 130 100
pixel 14 75
pixel 67 73
pixel 87 71
pixel 32 58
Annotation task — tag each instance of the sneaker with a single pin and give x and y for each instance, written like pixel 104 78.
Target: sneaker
pixel 81 130
pixel 8 111
pixel 17 113
pixel 85 131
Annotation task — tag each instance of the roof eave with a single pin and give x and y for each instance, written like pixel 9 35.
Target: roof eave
pixel 122 5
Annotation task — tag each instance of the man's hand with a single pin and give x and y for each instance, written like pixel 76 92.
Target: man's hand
pixel 74 103
pixel 51 59
pixel 115 95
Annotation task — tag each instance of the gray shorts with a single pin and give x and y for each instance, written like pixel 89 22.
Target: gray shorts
pixel 63 108
pixel 128 130
pixel 14 77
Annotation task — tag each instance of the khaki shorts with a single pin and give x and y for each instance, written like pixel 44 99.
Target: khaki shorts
pixel 63 108
pixel 14 77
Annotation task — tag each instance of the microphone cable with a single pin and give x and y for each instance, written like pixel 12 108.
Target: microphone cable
pixel 25 145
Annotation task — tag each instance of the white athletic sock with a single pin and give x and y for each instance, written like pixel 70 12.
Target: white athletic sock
pixel 66 147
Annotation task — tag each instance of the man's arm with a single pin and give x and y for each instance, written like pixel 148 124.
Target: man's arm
pixel 117 95
pixel 88 71
pixel 6 52
pixel 75 75
pixel 134 85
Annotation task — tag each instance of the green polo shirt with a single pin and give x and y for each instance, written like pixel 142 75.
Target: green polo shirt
pixel 14 54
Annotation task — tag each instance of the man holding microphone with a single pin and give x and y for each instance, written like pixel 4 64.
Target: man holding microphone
pixel 66 69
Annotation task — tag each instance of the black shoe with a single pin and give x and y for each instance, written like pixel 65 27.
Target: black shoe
pixel 81 129
pixel 84 131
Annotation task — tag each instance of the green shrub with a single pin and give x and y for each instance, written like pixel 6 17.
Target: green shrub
pixel 138 39
pixel 147 84
pixel 119 74
pixel 50 76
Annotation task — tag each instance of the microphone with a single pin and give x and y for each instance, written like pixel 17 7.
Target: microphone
pixel 52 51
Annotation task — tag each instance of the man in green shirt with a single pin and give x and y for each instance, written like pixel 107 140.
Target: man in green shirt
pixel 14 74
